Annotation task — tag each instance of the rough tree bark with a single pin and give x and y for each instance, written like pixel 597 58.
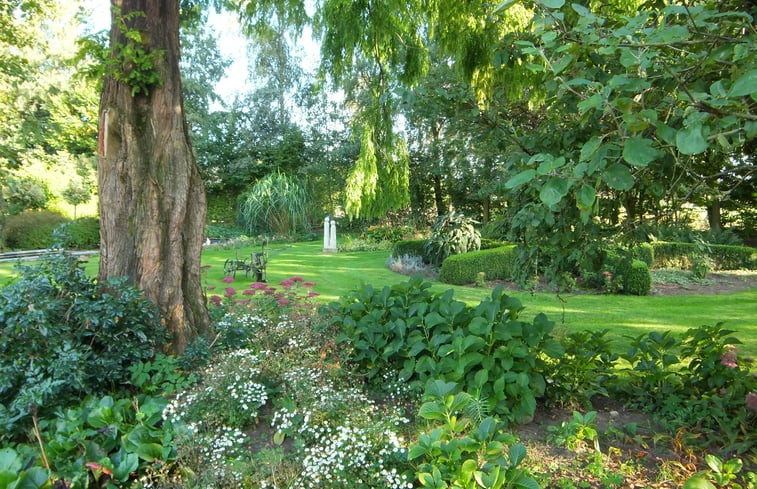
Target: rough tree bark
pixel 152 199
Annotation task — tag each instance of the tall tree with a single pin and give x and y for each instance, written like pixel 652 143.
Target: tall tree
pixel 152 200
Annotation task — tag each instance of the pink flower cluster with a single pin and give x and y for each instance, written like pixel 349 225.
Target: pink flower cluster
pixel 281 298
pixel 729 358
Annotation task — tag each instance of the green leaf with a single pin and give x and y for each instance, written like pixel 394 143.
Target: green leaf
pixel 639 152
pixel 563 63
pixel 690 140
pixel 590 148
pixel 505 5
pixel 549 165
pixel 467 469
pixel 593 102
pixel 585 197
pixel 554 190
pixel 714 462
pixel 9 460
pixel 581 10
pixel 553 3
pixel 432 410
pixel 278 437
pixel 523 177
pixel 698 482
pixel 517 454
pixel 149 451
pixel 745 85
pixel 618 176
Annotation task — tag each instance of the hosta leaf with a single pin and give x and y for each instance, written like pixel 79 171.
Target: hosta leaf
pixel 618 176
pixel 639 151
pixel 517 454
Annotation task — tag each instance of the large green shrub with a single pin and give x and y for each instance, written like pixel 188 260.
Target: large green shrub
pixel 725 257
pixel 63 335
pixel 636 279
pixel 453 234
pixel 496 263
pixel 31 230
pixel 82 233
pixel 484 350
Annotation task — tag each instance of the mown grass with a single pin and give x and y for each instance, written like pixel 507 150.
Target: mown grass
pixel 337 274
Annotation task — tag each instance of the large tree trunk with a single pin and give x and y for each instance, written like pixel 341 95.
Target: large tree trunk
pixel 152 200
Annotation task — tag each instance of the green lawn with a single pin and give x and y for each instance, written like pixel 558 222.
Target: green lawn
pixel 336 274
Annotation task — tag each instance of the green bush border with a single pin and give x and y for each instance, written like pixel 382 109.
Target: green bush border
pixel 725 257
pixel 498 263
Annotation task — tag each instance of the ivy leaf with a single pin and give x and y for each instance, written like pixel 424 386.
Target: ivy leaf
pixel 554 190
pixel 745 85
pixel 639 152
pixel 521 178
pixel 690 140
pixel 618 176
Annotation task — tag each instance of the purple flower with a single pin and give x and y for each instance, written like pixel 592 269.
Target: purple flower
pixel 309 284
pixel 227 280
pixel 258 285
pixel 248 292
pixel 283 302
pixel 230 292
pixel 216 300
pixel 313 294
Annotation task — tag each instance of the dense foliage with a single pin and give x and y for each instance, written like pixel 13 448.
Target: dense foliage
pixel 65 336
pixel 486 350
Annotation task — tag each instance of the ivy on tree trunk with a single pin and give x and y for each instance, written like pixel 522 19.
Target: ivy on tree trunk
pixel 152 199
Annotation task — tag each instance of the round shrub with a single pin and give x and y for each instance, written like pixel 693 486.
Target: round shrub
pixel 32 230
pixel 636 278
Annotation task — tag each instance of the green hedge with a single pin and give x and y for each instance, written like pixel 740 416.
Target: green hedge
pixel 410 247
pixel 497 263
pixel 31 230
pixel 725 257
pixel 645 253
